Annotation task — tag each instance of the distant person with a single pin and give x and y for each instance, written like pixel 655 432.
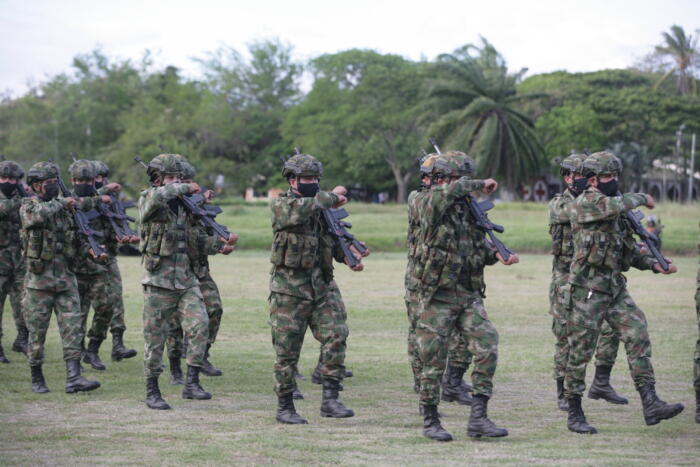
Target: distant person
pixel 219 184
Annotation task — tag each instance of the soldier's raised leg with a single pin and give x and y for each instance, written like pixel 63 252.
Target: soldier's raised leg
pixel 454 388
pixel 117 325
pixel 212 302
pixel 176 350
pixel 606 354
pixel 195 325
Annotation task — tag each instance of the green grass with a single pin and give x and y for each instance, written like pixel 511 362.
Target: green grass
pixel 112 425
pixel 383 227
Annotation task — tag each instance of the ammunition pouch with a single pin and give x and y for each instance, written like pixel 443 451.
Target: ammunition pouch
pixel 562 239
pixel 299 250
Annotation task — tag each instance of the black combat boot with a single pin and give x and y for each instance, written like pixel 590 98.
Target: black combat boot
pixel 192 388
pixel 563 403
pixel 3 358
pixel 38 381
pixel 297 395
pixel 118 350
pixel 431 424
pixel 175 371
pixel 697 406
pixel 349 373
pixel 452 390
pixel 286 413
pixel 331 406
pixel 91 355
pixel 654 408
pixel 208 369
pixel 21 341
pixel 577 420
pixel 75 382
pixel 601 388
pixel 154 400
pixel 479 423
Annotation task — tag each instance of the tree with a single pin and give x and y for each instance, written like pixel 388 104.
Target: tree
pixel 477 108
pixel 573 126
pixel 683 51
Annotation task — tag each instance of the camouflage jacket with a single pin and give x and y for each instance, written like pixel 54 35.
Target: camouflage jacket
pixel 10 245
pixel 168 241
pixel 604 245
pixel 207 244
pixel 51 243
pixel 84 262
pixel 560 231
pixel 456 252
pixel 412 242
pixel 302 251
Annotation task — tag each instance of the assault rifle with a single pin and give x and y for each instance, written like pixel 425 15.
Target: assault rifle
pixel 339 229
pixel 82 219
pixel 197 205
pixel 649 239
pixel 478 211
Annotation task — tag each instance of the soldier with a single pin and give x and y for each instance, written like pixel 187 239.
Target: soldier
pixel 94 284
pixel 207 244
pixel 117 325
pixel 302 290
pixel 12 265
pixel 603 249
pixel 563 249
pixel 696 367
pixel 171 288
pixel 51 243
pixel 452 291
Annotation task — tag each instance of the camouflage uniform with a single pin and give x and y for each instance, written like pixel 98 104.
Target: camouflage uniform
pixel 696 366
pixel 12 267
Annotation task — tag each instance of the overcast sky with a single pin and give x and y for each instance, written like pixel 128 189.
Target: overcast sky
pixel 38 38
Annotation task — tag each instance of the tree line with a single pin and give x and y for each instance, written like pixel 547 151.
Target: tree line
pixel 366 115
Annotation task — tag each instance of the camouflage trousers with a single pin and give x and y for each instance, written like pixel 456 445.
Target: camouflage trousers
pixel 696 366
pixel 11 285
pixel 160 308
pixel 436 323
pixel 212 302
pixel 95 291
pixel 289 318
pixel 114 296
pixel 38 305
pixel 588 311
pixel 458 352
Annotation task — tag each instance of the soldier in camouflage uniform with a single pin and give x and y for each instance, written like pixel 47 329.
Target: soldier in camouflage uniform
pixel 451 292
pixel 51 244
pixel 563 249
pixel 696 367
pixel 171 288
pixel 302 290
pixel 207 244
pixel 12 265
pixel 603 249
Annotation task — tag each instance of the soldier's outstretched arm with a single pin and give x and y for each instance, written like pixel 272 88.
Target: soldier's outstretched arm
pixel 559 210
pixel 36 214
pixel 8 206
pixel 443 196
pixel 157 198
pixel 289 211
pixel 595 207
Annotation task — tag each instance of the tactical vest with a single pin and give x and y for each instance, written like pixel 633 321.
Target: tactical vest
pixel 606 244
pixel 10 227
pixel 165 235
pixel 416 248
pixel 303 247
pixel 44 245
pixel 201 265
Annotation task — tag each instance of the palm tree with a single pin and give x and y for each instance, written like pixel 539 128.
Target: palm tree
pixel 683 50
pixel 476 100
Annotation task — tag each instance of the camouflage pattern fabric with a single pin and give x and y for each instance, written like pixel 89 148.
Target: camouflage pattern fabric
pixel 696 366
pixel 603 248
pixel 410 283
pixel 162 306
pixel 458 353
pixel 94 289
pixel 12 267
pixel 114 279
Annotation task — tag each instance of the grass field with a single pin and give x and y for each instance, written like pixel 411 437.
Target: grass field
pixel 113 426
pixel 383 227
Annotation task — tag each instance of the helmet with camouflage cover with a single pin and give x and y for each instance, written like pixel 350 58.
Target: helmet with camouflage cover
pixel 302 165
pixel 426 164
pixel 601 163
pixel 572 163
pixel 188 171
pixel 11 169
pixel 166 164
pixel 101 169
pixel 453 164
pixel 82 168
pixel 41 171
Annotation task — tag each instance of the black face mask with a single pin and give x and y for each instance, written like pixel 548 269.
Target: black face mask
pixel 84 189
pixel 8 189
pixel 51 191
pixel 608 188
pixel 308 190
pixel 578 186
pixel 99 185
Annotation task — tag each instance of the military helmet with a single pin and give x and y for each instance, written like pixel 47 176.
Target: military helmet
pixel 188 171
pixel 572 164
pixel 601 163
pixel 166 164
pixel 302 165
pixel 82 169
pixel 41 171
pixel 426 164
pixel 101 169
pixel 11 169
pixel 453 164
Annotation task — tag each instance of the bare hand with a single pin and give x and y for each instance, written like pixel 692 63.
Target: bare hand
pixel 672 268
pixel 106 199
pixel 340 190
pixel 68 203
pixel 490 185
pixel 357 254
pixel 226 249
pixel 194 187
pixel 650 202
pixel 342 200
pixel 511 260
pixel 134 239
pixel 357 268
pixel 209 195
pixel 231 240
pixel 113 187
